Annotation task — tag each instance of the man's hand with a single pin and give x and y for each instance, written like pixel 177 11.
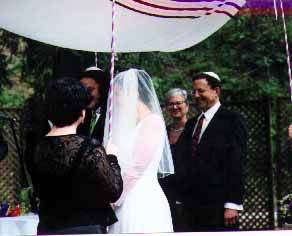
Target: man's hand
pixel 230 217
pixel 290 132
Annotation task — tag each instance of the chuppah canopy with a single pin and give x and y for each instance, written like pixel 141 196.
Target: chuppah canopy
pixel 141 25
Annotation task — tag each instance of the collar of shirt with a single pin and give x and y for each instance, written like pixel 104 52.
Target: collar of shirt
pixel 208 115
pixel 95 116
pixel 97 111
pixel 211 111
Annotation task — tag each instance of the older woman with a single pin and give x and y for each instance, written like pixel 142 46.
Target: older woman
pixel 72 175
pixel 177 107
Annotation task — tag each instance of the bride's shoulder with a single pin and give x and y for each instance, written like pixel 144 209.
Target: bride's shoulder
pixel 154 119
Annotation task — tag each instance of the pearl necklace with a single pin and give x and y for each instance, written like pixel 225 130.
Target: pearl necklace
pixel 177 130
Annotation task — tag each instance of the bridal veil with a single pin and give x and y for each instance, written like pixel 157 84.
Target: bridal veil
pixel 131 89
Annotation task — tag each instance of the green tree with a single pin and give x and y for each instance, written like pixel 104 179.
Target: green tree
pixel 248 53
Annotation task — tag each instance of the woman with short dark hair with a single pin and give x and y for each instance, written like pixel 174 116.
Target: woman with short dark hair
pixel 72 175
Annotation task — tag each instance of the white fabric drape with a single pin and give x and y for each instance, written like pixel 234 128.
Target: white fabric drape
pixel 86 25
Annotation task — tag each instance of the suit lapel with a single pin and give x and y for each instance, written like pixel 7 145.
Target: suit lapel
pixel 191 128
pixel 211 128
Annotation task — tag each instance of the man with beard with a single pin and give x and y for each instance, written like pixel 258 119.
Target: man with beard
pixel 96 81
pixel 212 149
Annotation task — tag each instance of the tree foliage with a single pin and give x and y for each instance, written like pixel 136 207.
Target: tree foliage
pixel 248 53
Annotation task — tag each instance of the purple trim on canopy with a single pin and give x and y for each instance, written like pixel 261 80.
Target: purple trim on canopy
pixel 164 16
pixel 197 0
pixel 218 8
pixel 172 8
pixel 266 4
pixel 224 12
pixel 224 2
pixel 233 4
pixel 155 15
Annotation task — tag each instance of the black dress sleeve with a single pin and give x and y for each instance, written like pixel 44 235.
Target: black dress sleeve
pixel 236 158
pixel 104 170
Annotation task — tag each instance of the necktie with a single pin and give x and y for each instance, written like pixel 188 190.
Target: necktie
pixel 92 122
pixel 196 136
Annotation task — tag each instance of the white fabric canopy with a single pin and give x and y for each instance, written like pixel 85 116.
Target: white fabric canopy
pixel 141 25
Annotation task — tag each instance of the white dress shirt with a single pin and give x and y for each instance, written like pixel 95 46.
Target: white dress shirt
pixel 97 112
pixel 208 115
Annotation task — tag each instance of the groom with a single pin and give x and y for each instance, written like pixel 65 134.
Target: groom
pixel 96 81
pixel 211 151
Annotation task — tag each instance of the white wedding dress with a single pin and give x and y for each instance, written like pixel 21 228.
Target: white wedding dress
pixel 143 207
pixel 139 132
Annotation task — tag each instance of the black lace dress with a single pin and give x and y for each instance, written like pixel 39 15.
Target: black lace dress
pixel 75 181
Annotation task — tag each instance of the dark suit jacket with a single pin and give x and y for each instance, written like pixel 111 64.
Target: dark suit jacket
pixel 215 176
pixel 98 130
pixel 287 152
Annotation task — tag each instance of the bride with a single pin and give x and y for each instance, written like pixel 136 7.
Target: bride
pixel 140 134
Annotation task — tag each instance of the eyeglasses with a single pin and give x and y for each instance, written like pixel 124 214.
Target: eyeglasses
pixel 172 104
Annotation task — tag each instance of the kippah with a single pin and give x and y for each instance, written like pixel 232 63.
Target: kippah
pixel 212 74
pixel 93 68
